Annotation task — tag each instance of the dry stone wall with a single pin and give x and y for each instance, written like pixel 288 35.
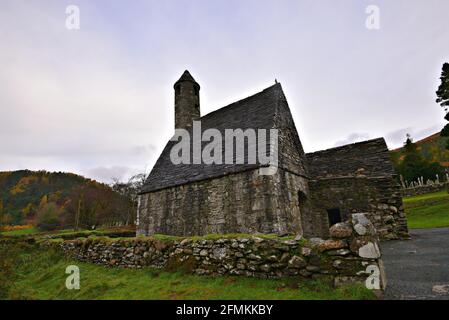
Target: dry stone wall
pixel 419 190
pixel 345 257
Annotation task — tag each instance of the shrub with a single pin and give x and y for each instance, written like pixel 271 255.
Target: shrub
pixel 15 228
pixel 9 253
pixel 48 217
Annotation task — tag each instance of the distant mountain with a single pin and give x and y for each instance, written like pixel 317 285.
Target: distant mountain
pixel 24 192
pixel 432 148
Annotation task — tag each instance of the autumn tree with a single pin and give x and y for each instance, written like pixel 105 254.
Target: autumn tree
pixel 5 219
pixel 130 190
pixel 48 217
pixel 1 214
pixel 27 212
pixel 93 205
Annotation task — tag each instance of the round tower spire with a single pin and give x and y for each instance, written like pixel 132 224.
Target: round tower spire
pixel 186 76
pixel 187 101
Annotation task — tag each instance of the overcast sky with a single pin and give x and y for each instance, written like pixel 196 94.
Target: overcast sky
pixel 98 101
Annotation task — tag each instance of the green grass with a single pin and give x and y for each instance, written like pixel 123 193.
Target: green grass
pixel 216 236
pixel 68 233
pixel 39 274
pixel 20 232
pixel 427 211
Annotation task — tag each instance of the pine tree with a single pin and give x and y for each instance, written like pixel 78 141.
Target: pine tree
pixel 443 89
pixel 413 166
pixel 443 98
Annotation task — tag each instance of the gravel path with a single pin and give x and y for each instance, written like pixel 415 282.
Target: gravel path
pixel 418 269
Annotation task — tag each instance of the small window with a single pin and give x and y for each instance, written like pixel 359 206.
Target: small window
pixel 302 197
pixel 178 89
pixel 197 106
pixel 334 216
pixel 195 89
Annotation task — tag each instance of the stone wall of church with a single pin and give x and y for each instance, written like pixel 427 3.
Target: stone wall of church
pixel 245 202
pixel 380 198
pixel 357 177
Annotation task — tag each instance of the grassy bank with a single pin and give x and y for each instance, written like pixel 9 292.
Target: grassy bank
pixel 20 232
pixel 70 233
pixel 427 211
pixel 27 272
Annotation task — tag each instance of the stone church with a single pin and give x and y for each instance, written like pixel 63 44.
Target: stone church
pixel 306 194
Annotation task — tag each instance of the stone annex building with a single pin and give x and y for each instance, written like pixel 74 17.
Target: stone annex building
pixel 307 194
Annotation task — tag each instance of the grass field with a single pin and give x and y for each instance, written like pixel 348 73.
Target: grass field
pixel 71 233
pixel 427 211
pixel 27 272
pixel 30 273
pixel 20 232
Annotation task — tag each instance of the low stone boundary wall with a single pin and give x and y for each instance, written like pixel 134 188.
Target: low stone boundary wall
pixel 416 191
pixel 350 255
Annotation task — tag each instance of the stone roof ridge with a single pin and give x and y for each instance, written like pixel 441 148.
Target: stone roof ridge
pixel 354 144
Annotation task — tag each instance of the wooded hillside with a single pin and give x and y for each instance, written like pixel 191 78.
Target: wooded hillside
pixel 59 200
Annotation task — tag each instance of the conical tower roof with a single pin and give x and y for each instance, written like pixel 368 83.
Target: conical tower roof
pixel 186 76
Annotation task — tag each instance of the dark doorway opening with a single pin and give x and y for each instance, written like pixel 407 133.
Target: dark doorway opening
pixel 334 216
pixel 302 198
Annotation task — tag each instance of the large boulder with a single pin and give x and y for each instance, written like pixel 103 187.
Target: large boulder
pixel 362 225
pixel 340 230
pixel 369 251
pixel 331 245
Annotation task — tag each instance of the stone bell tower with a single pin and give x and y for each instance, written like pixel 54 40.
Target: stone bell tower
pixel 187 101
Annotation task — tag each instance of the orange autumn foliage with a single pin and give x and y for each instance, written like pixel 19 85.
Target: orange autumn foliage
pixel 15 228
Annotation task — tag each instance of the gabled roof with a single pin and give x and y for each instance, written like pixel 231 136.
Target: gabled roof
pixel 255 112
pixel 369 158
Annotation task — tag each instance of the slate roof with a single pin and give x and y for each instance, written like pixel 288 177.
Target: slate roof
pixel 256 112
pixel 347 161
pixel 186 76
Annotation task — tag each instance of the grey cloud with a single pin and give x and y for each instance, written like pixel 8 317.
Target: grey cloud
pixel 107 174
pixel 101 98
pixel 397 138
pixel 353 137
pixel 144 150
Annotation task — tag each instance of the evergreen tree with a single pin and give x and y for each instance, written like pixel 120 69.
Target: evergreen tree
pixel 443 98
pixel 414 166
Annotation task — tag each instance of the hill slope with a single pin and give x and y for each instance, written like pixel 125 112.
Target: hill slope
pixel 23 193
pixel 432 148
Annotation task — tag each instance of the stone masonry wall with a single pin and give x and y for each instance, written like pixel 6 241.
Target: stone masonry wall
pixel 358 177
pixel 343 258
pixel 245 202
pixel 379 198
